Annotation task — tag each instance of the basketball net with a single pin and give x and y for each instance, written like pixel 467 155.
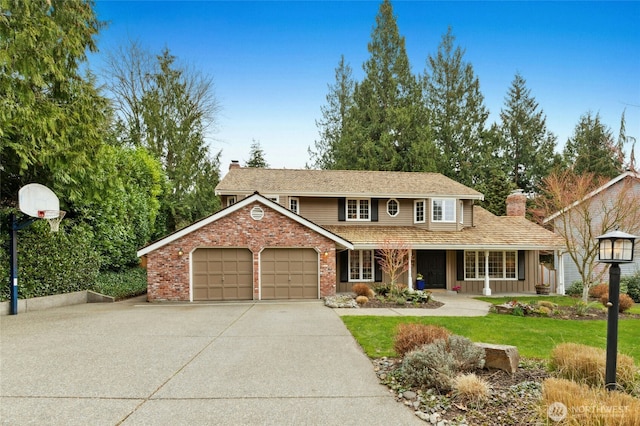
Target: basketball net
pixel 54 217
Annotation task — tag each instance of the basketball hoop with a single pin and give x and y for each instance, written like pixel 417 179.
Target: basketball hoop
pixel 54 217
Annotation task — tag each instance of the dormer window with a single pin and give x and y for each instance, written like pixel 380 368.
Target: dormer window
pixel 443 210
pixel 231 200
pixel 358 209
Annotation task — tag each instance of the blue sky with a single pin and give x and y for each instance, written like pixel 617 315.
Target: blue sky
pixel 271 61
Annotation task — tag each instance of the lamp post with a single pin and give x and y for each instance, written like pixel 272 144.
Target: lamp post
pixel 615 248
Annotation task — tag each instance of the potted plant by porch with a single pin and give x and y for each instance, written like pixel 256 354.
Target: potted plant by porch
pixel 420 285
pixel 542 288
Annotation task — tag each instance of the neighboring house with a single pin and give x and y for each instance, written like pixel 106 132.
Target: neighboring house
pixel 601 205
pixel 295 234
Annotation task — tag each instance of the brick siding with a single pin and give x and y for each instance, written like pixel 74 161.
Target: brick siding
pixel 168 272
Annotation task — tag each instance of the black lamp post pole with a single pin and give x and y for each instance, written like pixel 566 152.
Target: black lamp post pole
pixel 612 326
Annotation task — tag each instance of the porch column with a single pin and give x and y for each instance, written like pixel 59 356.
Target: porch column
pixel 486 291
pixel 409 277
pixel 559 271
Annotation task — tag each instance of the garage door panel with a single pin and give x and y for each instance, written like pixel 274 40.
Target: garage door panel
pixel 222 274
pixel 289 273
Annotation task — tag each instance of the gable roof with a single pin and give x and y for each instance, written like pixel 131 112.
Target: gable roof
pixel 342 183
pixel 490 232
pixel 235 207
pixel 593 194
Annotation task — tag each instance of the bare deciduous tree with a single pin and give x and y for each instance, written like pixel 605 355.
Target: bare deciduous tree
pixel 393 258
pixel 579 209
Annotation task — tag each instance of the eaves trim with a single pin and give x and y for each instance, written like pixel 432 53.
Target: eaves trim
pixel 235 207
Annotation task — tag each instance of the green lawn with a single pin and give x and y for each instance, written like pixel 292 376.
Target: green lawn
pixel 534 337
pixel 558 300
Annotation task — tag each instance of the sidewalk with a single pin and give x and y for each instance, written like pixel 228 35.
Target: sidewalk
pixel 455 305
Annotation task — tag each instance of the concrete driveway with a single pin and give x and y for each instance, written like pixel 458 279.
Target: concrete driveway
pixel 136 363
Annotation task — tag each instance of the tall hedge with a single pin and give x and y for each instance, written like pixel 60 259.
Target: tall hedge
pixel 50 263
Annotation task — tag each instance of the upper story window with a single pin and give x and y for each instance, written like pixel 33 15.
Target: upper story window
pixel 418 211
pixel 461 212
pixel 231 200
pixel 393 208
pixel 358 209
pixel 274 198
pixel 443 210
pixel 294 205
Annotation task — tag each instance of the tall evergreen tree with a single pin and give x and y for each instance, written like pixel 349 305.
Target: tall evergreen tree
pixel 256 156
pixel 456 111
pixel 168 109
pixel 334 113
pixel 175 117
pixel 591 148
pixel 52 118
pixel 386 128
pixel 528 145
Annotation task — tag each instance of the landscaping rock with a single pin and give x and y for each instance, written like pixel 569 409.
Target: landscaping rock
pixel 409 395
pixel 502 357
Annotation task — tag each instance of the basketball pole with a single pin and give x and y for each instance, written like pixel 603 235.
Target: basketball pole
pixel 15 227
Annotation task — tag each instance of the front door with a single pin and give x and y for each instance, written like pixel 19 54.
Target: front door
pixel 432 264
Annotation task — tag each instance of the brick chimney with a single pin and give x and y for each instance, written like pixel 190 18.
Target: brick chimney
pixel 235 164
pixel 517 203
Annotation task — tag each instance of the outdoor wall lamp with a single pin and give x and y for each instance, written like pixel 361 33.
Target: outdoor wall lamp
pixel 614 247
pixel 180 252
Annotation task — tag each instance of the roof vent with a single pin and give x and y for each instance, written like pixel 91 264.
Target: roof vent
pixel 257 213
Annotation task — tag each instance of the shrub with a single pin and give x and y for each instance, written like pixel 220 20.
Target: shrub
pixel 468 357
pixel 575 289
pixel 471 388
pixel 410 336
pixel 633 286
pixel 430 366
pixel 577 397
pixel 583 308
pixel 586 364
pixel 362 290
pixel 54 263
pixel 624 301
pixel 361 300
pixel 546 304
pixel 435 365
pixel 121 285
pixel 597 291
pixel 382 289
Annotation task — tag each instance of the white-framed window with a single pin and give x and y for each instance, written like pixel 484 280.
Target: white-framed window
pixel 461 212
pixel 443 210
pixel 361 265
pixel 358 208
pixel 418 211
pixel 275 198
pixel 231 200
pixel 502 265
pixel 294 204
pixel 393 207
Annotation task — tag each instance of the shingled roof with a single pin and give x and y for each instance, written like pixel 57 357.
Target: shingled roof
pixel 490 232
pixel 342 183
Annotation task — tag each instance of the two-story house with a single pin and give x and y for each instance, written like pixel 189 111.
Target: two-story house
pixel 295 234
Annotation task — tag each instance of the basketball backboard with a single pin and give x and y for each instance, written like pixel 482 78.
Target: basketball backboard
pixel 37 200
